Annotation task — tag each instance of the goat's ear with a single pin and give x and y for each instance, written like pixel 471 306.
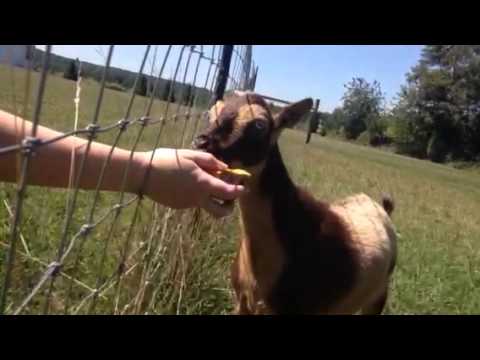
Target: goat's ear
pixel 291 114
pixel 215 110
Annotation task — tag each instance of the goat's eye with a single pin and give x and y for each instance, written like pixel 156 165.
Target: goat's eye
pixel 260 125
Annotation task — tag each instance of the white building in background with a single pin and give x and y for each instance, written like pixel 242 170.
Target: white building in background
pixel 16 55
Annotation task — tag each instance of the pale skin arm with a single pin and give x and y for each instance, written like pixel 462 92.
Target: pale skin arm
pixel 178 179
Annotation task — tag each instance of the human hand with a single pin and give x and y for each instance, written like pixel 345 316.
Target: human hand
pixel 181 179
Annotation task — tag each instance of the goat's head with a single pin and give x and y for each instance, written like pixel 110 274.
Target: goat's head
pixel 242 129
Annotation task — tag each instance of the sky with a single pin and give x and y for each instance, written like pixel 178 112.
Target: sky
pixel 290 72
pixel 321 71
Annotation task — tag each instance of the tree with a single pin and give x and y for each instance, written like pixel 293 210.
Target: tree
pixel 443 96
pixel 314 122
pixel 71 73
pixel 362 104
pixel 334 121
pixel 142 86
pixel 408 125
pixel 166 96
pixel 187 94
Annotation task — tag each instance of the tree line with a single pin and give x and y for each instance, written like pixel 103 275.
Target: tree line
pixel 436 114
pixel 124 80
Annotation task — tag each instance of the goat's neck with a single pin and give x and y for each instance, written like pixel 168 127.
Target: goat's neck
pixel 261 244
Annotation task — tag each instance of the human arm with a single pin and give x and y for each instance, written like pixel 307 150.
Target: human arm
pixel 178 178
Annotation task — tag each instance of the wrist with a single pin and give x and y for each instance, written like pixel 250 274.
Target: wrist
pixel 138 171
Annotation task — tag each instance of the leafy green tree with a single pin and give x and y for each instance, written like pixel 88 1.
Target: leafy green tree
pixel 142 86
pixel 71 73
pixel 187 94
pixel 166 96
pixel 334 121
pixel 362 105
pixel 440 105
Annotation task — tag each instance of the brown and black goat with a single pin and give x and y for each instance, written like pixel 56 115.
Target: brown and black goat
pixel 297 255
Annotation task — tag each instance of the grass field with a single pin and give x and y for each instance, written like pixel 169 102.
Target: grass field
pixel 436 216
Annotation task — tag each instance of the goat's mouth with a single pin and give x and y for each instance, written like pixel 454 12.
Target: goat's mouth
pixel 203 143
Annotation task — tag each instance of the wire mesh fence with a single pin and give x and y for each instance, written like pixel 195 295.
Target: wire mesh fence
pixel 84 252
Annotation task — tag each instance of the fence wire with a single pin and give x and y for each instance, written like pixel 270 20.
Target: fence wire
pixel 112 253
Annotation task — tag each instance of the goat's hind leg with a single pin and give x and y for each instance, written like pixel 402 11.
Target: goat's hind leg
pixel 377 306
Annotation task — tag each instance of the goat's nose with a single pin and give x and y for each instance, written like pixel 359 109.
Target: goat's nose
pixel 200 142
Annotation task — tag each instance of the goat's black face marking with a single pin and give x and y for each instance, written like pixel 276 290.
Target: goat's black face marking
pixel 250 149
pixel 225 125
pixel 240 132
pixel 243 130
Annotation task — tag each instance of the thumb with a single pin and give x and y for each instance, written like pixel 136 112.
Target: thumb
pixel 220 189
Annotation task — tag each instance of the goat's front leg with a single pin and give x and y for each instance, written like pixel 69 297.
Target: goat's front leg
pixel 240 298
pixel 241 306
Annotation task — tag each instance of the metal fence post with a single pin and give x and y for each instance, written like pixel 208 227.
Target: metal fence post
pixel 313 118
pixel 223 72
pixel 247 67
pixel 253 80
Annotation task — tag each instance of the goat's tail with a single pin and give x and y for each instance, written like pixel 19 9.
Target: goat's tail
pixel 388 204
